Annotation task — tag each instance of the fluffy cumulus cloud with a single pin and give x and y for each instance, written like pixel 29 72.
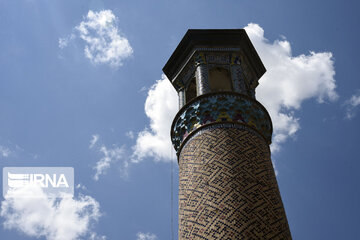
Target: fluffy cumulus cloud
pixel 51 218
pixel 160 107
pixel 351 104
pixel 288 82
pixel 104 44
pixel 146 236
pixel 109 155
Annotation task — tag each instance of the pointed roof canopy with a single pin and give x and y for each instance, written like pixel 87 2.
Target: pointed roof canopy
pixel 212 38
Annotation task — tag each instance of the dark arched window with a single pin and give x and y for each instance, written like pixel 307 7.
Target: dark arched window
pixel 190 92
pixel 219 79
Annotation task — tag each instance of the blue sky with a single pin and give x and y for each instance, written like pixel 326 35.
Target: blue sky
pixel 81 86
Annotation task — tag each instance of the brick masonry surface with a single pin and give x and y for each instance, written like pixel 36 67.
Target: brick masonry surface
pixel 228 188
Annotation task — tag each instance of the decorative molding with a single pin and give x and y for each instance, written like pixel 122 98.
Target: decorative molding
pixel 217 49
pixel 199 58
pixel 220 107
pixel 218 58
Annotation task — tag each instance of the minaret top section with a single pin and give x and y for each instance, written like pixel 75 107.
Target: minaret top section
pixel 214 60
pixel 215 73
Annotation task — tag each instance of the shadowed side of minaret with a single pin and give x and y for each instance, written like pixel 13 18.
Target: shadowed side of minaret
pixel 227 185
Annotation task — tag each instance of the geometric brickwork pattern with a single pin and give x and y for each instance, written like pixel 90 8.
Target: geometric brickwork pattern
pixel 227 187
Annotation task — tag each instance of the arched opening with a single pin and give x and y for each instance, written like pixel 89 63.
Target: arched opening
pixel 219 79
pixel 190 92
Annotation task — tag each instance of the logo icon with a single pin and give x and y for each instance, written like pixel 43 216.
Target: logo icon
pixel 53 181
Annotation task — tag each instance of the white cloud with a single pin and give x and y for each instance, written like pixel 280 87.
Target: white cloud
pixel 104 44
pixel 81 186
pixel 110 155
pixel 63 42
pixel 130 134
pixel 146 236
pixel 289 81
pixel 4 151
pixel 53 218
pixel 94 140
pixel 143 89
pixel 94 236
pixel 160 107
pixel 351 104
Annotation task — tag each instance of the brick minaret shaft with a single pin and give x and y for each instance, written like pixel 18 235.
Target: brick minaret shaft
pixel 227 185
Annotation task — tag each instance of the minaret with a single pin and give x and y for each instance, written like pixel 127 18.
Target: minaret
pixel 227 186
